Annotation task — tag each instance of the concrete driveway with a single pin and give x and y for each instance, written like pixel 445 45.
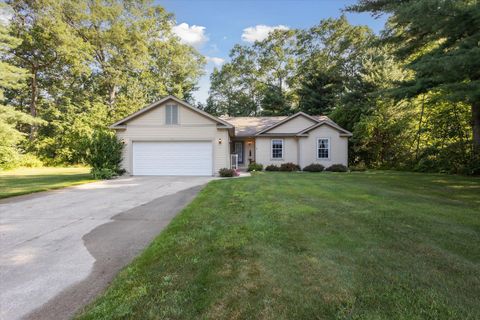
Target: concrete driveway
pixel 59 249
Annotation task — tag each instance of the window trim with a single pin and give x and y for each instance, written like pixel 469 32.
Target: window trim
pixel 271 149
pixel 329 148
pixel 166 113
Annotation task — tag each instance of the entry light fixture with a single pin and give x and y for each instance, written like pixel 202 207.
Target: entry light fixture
pixel 219 140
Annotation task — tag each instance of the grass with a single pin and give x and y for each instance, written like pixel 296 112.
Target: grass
pixel 365 245
pixel 28 180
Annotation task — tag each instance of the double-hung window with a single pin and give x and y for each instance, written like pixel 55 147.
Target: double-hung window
pixel 277 148
pixel 323 148
pixel 171 114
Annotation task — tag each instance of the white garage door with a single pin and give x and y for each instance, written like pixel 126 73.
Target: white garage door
pixel 172 158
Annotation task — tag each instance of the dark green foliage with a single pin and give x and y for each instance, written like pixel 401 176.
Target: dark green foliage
pixel 314 167
pixel 255 167
pixel 337 168
pixel 103 173
pixel 439 39
pixel 272 167
pixel 274 102
pixel 318 93
pixel 81 66
pixel 12 120
pixel 104 154
pixel 289 166
pixel 226 172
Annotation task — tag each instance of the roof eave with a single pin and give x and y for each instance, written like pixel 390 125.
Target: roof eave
pixel 286 120
pixel 118 127
pixel 155 104
pixel 343 132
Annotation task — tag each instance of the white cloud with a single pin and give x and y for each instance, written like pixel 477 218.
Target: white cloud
pixel 192 35
pixel 216 60
pixel 259 32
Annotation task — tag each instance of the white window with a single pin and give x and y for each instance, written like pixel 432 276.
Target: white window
pixel 171 114
pixel 323 148
pixel 277 149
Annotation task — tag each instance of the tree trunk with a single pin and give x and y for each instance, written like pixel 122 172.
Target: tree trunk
pixel 111 99
pixel 419 132
pixel 476 126
pixel 33 103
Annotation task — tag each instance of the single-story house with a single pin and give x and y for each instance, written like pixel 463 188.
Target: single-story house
pixel 171 137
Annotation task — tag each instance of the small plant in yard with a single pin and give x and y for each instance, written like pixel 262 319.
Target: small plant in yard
pixel 255 167
pixel 289 166
pixel 337 168
pixel 358 167
pixel 225 172
pixel 272 167
pixel 104 155
pixel 103 173
pixel 314 167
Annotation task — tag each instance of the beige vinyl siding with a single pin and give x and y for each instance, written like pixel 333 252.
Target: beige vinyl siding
pixel 263 150
pixel 156 116
pixel 192 126
pixel 294 125
pixel 338 147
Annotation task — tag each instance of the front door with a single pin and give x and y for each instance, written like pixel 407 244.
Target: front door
pixel 238 150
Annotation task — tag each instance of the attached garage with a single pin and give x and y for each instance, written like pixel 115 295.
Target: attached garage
pixel 183 158
pixel 172 138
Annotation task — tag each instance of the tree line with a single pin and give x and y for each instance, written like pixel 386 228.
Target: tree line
pixel 410 95
pixel 71 67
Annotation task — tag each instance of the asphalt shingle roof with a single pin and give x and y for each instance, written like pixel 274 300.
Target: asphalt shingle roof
pixel 249 126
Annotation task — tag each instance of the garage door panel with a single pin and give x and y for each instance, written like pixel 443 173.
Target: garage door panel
pixel 172 158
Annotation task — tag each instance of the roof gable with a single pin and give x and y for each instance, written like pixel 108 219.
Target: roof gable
pixel 330 123
pixel 121 124
pixel 298 114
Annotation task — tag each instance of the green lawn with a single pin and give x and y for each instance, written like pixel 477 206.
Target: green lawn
pixel 28 180
pixel 365 245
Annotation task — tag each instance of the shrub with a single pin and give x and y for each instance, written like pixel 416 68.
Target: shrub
pixel 103 173
pixel 272 167
pixel 225 172
pixel 359 167
pixel 255 167
pixel 104 155
pixel 314 167
pixel 289 166
pixel 337 168
pixel 17 159
pixel 30 161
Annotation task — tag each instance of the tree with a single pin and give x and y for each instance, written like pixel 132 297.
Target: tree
pixel 440 40
pixel 257 80
pixel 135 56
pixel 235 89
pixel 10 119
pixel 46 45
pixel 90 63
pixel 330 65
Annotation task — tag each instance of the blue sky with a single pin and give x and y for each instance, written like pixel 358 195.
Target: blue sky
pixel 215 26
